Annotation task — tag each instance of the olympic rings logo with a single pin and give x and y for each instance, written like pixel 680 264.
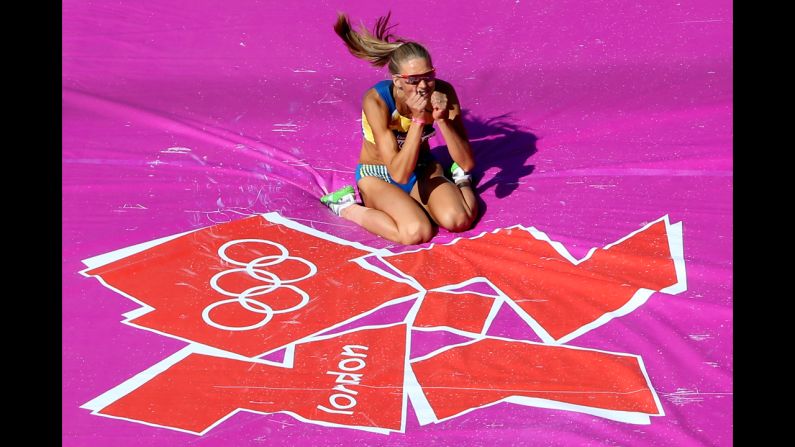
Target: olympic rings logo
pixel 256 269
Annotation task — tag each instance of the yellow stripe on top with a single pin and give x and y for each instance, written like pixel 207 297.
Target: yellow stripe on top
pixel 398 122
pixel 366 130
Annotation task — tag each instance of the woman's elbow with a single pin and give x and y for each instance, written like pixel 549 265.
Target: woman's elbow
pixel 400 178
pixel 467 161
pixel 467 165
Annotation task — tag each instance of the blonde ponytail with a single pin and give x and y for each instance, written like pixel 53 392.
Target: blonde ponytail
pixel 375 47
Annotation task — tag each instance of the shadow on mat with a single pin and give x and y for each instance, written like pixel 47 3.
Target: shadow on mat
pixel 497 143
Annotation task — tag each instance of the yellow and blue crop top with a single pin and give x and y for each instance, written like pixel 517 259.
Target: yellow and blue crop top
pixel 398 123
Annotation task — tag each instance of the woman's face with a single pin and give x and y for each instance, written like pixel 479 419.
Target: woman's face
pixel 416 75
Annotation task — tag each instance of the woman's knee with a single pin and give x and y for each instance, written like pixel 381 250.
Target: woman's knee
pixel 455 220
pixel 415 232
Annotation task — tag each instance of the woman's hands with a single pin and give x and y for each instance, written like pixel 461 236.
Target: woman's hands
pixel 418 105
pixel 439 104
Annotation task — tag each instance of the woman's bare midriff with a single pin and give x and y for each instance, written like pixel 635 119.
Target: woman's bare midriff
pixel 369 154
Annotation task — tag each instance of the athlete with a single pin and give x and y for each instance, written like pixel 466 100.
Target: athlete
pixel 404 190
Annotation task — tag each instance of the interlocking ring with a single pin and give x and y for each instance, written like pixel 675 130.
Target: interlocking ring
pixel 255 270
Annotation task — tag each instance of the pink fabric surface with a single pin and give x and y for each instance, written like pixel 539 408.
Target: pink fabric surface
pixel 588 121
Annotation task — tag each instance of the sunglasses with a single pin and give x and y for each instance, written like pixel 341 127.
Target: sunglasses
pixel 428 76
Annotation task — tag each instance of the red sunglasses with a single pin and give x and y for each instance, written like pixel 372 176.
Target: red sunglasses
pixel 428 76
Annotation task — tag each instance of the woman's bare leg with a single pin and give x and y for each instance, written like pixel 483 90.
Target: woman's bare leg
pixel 390 213
pixel 452 207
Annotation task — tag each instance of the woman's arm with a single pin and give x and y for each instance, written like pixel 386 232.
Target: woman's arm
pixel 399 163
pixel 447 115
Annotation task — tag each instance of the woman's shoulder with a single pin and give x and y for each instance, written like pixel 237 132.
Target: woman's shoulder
pixel 373 97
pixel 381 89
pixel 373 104
pixel 444 86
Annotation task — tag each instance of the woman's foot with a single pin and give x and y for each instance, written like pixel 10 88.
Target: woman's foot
pixel 339 199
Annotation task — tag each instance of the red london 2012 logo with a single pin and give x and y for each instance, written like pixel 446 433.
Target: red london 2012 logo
pixel 274 315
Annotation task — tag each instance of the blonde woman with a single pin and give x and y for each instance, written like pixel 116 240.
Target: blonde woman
pixel 402 187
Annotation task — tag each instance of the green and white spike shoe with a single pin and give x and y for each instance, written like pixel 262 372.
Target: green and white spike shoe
pixel 459 175
pixel 339 199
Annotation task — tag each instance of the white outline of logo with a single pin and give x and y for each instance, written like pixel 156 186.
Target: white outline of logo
pixel 254 269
